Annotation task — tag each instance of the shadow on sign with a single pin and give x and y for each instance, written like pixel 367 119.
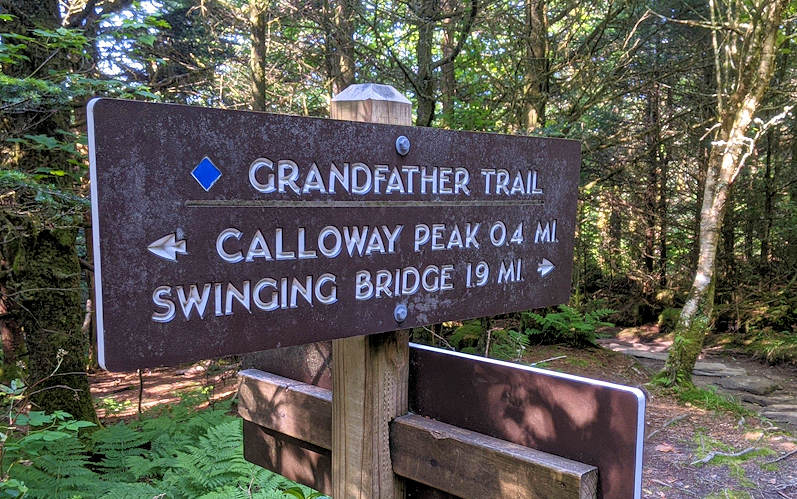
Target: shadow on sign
pixel 586 420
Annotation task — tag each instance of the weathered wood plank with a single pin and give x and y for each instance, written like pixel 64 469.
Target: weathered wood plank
pixel 294 459
pixel 290 407
pixel 307 464
pixel 472 465
pixel 309 363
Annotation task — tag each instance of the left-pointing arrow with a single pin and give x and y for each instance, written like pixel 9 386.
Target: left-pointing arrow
pixel 168 247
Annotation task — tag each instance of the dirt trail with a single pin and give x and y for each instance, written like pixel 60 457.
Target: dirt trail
pixel 116 394
pixel 770 391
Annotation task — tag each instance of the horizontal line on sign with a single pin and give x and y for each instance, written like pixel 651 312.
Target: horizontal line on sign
pixel 247 203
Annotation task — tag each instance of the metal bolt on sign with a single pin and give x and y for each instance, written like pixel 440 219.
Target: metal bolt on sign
pixel 402 145
pixel 400 313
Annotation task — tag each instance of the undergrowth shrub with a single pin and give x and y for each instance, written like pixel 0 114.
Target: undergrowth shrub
pixel 764 320
pixel 466 337
pixel 567 326
pixel 774 346
pixel 177 452
pixel 668 319
pixel 508 344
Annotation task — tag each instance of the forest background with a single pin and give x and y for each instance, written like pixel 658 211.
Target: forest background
pixel 688 192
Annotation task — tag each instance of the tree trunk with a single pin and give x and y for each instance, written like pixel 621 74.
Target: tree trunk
pixel 769 195
pixel 48 283
pixel 696 314
pixel 339 26
pixel 258 31
pixel 535 88
pixel 661 209
pixel 448 85
pixel 40 270
pixel 11 334
pixel 726 262
pixel 423 50
pixel 775 162
pixel 653 143
pixel 728 152
pixel 790 252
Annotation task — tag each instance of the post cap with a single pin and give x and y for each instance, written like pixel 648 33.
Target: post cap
pixel 370 91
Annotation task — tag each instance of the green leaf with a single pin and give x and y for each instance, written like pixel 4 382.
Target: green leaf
pixel 34 418
pixel 43 32
pixel 13 487
pixel 44 141
pixel 157 22
pixel 147 39
pixel 15 36
pixel 75 425
pixel 46 436
pixel 296 492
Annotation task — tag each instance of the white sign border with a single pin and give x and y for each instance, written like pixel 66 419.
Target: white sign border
pixel 95 232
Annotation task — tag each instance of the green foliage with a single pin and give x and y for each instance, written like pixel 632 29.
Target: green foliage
pixel 567 326
pixel 112 407
pixel 773 346
pixel 668 319
pixel 39 452
pixel 706 445
pixel 299 493
pixel 45 171
pixel 55 465
pixel 729 494
pixel 766 321
pixel 178 453
pixel 705 398
pixel 508 344
pixel 467 335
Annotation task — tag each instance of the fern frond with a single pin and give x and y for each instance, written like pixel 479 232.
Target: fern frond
pixel 59 470
pixel 117 444
pixel 124 490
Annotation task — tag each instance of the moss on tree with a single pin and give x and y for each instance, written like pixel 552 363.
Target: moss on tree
pixel 50 313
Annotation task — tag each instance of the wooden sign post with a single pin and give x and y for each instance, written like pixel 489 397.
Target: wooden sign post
pixel 369 373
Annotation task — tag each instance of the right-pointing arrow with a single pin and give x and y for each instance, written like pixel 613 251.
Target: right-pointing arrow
pixel 545 267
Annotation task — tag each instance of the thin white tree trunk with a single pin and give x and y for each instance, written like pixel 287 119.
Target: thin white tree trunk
pixel 751 76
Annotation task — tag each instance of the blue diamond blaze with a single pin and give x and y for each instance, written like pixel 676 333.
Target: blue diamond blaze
pixel 206 173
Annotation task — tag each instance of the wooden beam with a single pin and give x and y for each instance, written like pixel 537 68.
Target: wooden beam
pixel 369 373
pixel 469 464
pixel 294 459
pixel 290 407
pixel 369 379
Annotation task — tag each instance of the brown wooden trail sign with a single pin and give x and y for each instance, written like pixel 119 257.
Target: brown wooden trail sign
pixel 287 417
pixel 218 232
